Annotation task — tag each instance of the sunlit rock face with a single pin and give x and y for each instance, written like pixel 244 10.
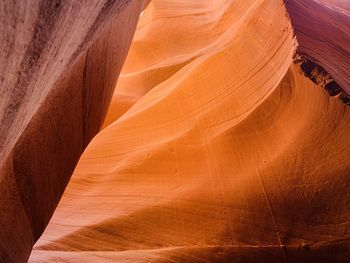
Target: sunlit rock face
pixel 216 146
pixel 215 149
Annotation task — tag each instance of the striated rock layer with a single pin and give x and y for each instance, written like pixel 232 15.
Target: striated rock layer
pixel 322 28
pixel 59 65
pixel 215 149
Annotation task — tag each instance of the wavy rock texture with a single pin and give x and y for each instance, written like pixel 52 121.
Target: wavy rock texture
pixel 322 28
pixel 59 65
pixel 215 149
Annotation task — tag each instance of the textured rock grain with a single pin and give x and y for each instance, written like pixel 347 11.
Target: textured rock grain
pixel 322 28
pixel 59 65
pixel 215 149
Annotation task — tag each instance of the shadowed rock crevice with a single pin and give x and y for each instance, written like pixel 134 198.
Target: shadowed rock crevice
pixel 321 77
pixel 322 28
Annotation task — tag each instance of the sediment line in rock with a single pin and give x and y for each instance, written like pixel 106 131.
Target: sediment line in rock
pixel 322 28
pixel 211 141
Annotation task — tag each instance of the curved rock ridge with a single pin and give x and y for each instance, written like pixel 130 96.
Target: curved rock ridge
pixel 59 65
pixel 215 149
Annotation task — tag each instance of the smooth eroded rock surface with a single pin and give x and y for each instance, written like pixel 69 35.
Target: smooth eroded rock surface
pixel 215 149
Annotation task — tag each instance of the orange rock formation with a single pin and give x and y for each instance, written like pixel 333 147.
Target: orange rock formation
pixel 215 148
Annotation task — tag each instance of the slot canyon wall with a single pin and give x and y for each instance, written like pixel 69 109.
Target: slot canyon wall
pixel 322 28
pixel 59 65
pixel 212 147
